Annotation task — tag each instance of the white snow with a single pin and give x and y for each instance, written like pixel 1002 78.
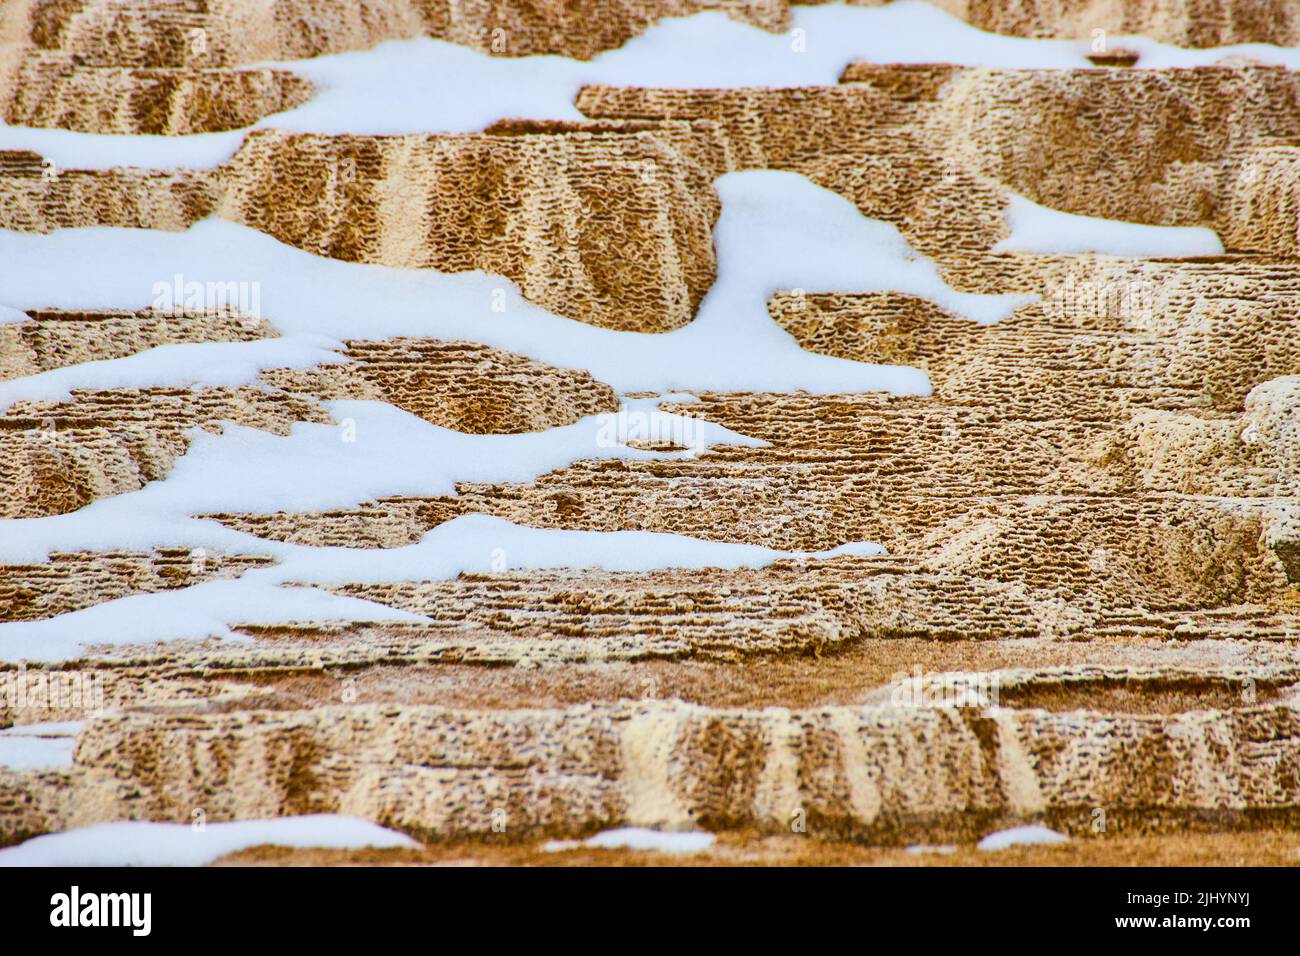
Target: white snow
pixel 10 316
pixel 193 613
pixel 314 468
pixel 469 543
pixel 391 452
pixel 923 849
pixel 44 746
pixel 66 149
pixel 424 85
pixel 1021 836
pixel 136 843
pixel 1036 228
pixel 206 364
pixel 480 543
pixel 377 450
pixel 777 231
pixel 22 748
pixel 49 728
pixel 452 88
pixel 638 838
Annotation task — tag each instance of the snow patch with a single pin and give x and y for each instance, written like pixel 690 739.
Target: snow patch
pixel 424 85
pixel 1036 228
pixel 44 746
pixel 638 838
pixel 376 450
pixel 470 543
pixel 777 230
pixel 208 364
pixel 194 613
pixel 20 752
pixel 482 543
pixel 138 843
pixel 1035 834
pixel 49 728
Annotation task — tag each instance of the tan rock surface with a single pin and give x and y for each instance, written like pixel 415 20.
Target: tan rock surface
pixel 1096 514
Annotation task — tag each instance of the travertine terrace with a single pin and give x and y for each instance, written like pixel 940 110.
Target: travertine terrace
pixel 1095 513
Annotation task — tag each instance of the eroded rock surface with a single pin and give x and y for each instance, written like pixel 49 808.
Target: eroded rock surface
pixel 1092 524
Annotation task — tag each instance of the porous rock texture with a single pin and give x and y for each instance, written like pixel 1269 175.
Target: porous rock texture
pixel 1095 515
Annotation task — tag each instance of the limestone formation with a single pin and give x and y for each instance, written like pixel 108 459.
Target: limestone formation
pixel 1090 595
